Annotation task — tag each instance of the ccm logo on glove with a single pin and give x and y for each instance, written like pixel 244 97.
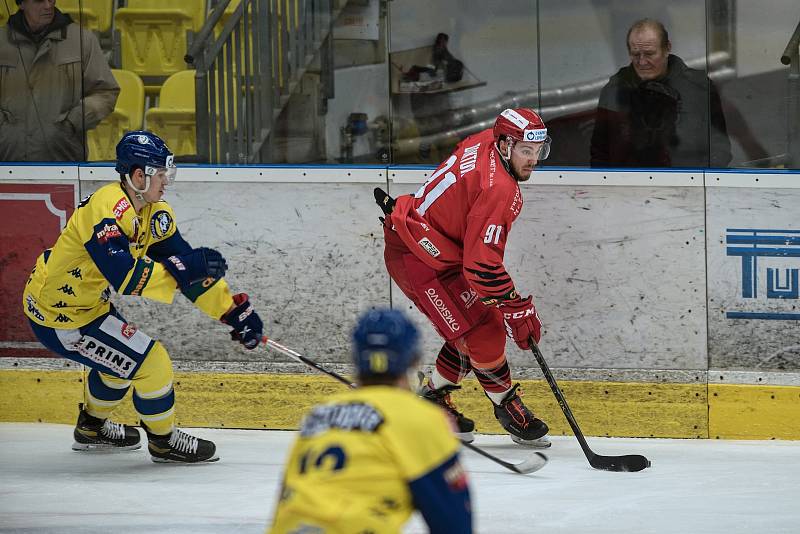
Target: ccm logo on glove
pixel 522 321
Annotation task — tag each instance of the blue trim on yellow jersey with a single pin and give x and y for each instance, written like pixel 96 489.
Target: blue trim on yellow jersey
pixel 171 246
pixel 142 271
pixel 101 391
pixel 109 249
pixel 443 499
pixel 154 406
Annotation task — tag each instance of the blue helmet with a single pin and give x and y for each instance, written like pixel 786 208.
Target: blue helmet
pixel 145 150
pixel 385 343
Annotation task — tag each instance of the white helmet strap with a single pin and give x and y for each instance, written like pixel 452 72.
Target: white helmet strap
pixel 139 193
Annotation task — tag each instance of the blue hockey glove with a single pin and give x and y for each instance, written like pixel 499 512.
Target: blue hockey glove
pixel 196 265
pixel 247 326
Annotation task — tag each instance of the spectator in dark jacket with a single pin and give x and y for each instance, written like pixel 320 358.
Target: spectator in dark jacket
pixel 657 112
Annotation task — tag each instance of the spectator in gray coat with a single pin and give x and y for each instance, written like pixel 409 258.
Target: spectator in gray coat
pixel 657 112
pixel 55 84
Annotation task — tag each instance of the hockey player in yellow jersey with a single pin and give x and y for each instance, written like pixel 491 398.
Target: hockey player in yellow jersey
pixel 124 237
pixel 368 457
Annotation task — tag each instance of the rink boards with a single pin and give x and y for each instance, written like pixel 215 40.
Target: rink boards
pixel 670 299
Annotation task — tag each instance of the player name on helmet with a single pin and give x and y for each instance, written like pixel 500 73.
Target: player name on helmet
pixel 352 416
pixel 437 301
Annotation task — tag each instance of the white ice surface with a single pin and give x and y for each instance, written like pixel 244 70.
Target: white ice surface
pixel 693 486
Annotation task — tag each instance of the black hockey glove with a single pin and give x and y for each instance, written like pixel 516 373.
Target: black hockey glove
pixel 196 265
pixel 247 326
pixel 384 201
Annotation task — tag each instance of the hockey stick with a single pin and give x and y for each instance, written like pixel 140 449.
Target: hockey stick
pixel 628 462
pixel 535 462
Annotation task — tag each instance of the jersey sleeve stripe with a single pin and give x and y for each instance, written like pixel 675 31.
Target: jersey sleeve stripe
pixel 194 291
pixel 493 283
pixel 482 274
pixel 142 272
pixel 109 249
pixel 488 267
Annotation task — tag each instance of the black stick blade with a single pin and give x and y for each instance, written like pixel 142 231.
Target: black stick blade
pixel 629 462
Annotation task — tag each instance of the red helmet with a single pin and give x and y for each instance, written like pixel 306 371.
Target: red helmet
pixel 522 124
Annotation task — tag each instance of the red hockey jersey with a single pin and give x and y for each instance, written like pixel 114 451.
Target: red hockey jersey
pixel 462 215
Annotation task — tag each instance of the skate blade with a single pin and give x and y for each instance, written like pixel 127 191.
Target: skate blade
pixel 103 448
pixel 214 458
pixel 540 443
pixel 465 437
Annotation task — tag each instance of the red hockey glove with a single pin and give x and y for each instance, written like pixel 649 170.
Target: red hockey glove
pixel 522 321
pixel 247 326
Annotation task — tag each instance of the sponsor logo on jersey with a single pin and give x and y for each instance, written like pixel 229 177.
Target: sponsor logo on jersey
pixel 352 416
pixel 468 297
pixel 468 159
pixel 109 231
pixel 62 318
pixel 492 167
pixel 67 290
pixel 516 204
pixel 429 247
pixel 144 276
pixel 32 309
pixel 121 207
pixel 441 307
pixel 99 352
pixel 160 224
pixel 128 330
pixel 76 272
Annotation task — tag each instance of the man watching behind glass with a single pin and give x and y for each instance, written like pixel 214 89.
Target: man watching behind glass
pixel 658 112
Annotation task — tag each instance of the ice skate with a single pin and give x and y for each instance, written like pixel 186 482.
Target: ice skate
pixel 103 435
pixel 441 396
pixel 180 447
pixel 519 422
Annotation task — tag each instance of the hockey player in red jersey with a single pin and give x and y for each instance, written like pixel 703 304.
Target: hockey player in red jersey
pixel 444 249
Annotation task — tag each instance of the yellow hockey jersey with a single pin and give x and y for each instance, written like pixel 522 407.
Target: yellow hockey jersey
pixel 105 245
pixel 365 460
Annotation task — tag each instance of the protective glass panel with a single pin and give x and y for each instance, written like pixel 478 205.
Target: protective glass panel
pixel 605 107
pixel 55 80
pixel 760 94
pixel 454 66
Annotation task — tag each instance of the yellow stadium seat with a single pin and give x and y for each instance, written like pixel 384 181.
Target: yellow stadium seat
pixel 153 34
pixel 95 14
pixel 127 116
pixel 194 8
pixel 174 118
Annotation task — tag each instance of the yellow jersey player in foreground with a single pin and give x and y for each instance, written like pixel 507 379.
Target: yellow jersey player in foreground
pixel 364 460
pixel 124 236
